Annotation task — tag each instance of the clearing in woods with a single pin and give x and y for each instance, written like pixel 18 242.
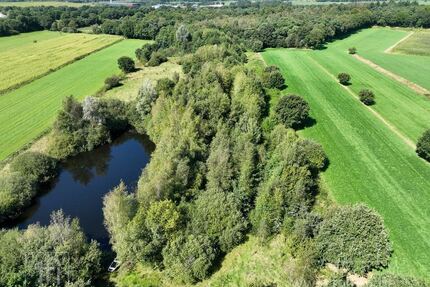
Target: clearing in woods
pixel 35 57
pixel 27 112
pixel 369 161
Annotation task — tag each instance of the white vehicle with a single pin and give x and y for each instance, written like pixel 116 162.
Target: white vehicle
pixel 114 265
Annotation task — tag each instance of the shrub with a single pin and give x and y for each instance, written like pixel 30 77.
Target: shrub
pixel 144 54
pixel 256 45
pixel 352 50
pixel 367 97
pixel 353 237
pixel 423 146
pixel 339 280
pixel 126 64
pixel 36 166
pixel 292 111
pixel 392 280
pixel 189 259
pixel 310 153
pixel 16 191
pixel 146 97
pixel 344 78
pixel 272 78
pixel 112 82
pixel 156 59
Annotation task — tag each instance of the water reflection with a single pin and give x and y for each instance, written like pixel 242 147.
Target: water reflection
pixel 85 179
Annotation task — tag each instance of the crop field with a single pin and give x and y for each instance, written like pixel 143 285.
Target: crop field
pixel 371 152
pixel 417 44
pixel 28 111
pixel 43 3
pixel 32 58
pixel 368 42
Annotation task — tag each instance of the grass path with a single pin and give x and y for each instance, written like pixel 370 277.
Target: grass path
pixel 408 141
pixel 372 43
pixel 390 49
pixel 411 85
pixel 28 111
pixel 399 105
pixel 368 161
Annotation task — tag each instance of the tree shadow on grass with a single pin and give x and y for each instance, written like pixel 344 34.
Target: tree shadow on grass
pixel 309 122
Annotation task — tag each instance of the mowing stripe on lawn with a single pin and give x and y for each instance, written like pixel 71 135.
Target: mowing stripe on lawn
pixel 368 162
pixel 403 108
pixel 28 111
pixel 31 61
pixel 371 44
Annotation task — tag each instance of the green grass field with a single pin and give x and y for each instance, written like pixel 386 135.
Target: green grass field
pixel 417 44
pixel 369 160
pixel 44 3
pixel 29 60
pixel 369 45
pixel 28 111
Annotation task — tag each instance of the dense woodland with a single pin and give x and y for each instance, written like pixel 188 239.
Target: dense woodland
pixel 224 167
pixel 256 26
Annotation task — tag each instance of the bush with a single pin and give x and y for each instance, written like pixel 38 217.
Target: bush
pixel 392 280
pixel 35 166
pixel 156 59
pixel 16 191
pixel 126 64
pixel 339 280
pixel 292 111
pixel 189 259
pixel 272 78
pixel 344 78
pixel 353 237
pixel 367 97
pixel 352 50
pixel 310 153
pixel 144 54
pixel 112 82
pixel 423 146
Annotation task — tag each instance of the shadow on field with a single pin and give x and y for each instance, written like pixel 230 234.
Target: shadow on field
pixel 309 122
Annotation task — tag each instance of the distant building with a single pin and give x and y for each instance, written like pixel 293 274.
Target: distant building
pixel 126 4
pixel 2 15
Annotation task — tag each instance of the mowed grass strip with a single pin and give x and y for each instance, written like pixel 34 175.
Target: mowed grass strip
pixel 417 44
pixel 368 162
pixel 372 44
pixel 34 59
pixel 398 104
pixel 28 111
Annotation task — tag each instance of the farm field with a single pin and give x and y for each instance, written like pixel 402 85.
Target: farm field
pixel 43 3
pixel 28 111
pixel 369 45
pixel 417 44
pixel 370 159
pixel 29 60
pixel 26 39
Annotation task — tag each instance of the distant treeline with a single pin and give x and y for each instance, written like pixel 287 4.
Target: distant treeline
pixel 256 26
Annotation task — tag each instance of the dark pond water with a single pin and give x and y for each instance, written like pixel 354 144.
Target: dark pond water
pixel 85 179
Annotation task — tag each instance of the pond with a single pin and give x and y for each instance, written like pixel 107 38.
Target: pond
pixel 85 179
